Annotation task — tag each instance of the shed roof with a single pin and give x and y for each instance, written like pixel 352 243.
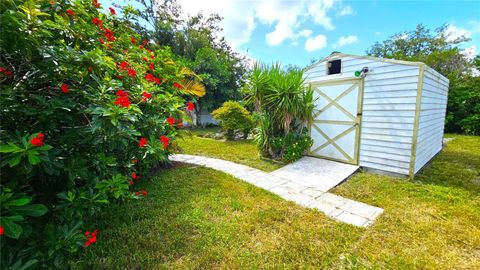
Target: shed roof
pixel 340 55
pixel 379 59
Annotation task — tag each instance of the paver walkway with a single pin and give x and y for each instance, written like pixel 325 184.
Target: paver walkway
pixel 334 206
pixel 317 173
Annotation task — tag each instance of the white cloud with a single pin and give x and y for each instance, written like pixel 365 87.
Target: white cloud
pixel 305 33
pixel 316 43
pixel 470 53
pixel 453 33
pixel 282 31
pixel 347 10
pixel 345 40
pixel 285 16
pixel 318 11
pixel 377 33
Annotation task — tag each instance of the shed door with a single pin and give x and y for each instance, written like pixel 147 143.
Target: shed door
pixel 336 127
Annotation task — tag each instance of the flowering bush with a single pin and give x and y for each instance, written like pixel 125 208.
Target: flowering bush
pixel 291 147
pixel 87 110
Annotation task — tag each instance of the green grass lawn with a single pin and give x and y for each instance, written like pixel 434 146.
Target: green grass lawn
pixel 243 151
pixel 196 217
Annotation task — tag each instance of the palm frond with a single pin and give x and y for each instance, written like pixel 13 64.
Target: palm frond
pixel 193 87
pixel 186 72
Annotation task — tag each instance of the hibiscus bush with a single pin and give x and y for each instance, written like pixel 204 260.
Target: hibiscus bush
pixel 88 108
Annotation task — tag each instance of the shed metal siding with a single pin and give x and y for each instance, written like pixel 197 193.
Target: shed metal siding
pixel 389 104
pixel 433 105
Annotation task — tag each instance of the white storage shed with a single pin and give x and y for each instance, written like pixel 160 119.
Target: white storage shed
pixel 382 114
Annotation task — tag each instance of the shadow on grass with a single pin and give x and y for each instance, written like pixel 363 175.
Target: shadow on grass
pixel 457 165
pixel 195 217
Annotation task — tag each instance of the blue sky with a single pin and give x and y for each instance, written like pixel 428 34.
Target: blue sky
pixel 294 32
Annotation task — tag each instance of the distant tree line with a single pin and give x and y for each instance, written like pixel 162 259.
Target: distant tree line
pixel 440 50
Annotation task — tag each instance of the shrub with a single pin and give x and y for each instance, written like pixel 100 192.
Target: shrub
pixel 463 107
pixel 284 104
pixel 88 108
pixel 296 145
pixel 233 117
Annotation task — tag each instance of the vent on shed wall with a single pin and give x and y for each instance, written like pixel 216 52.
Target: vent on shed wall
pixel 334 67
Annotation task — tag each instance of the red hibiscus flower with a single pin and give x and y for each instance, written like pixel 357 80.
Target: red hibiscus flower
pixel 132 72
pixel 121 93
pixel 145 59
pixel 134 160
pixel 122 101
pixel 64 88
pixel 112 11
pixel 91 238
pixel 97 21
pixel 144 193
pixel 171 121
pixel 151 66
pixel 140 46
pixel 177 85
pixel 96 4
pixel 142 142
pixel 165 140
pixel 101 41
pixel 90 69
pixel 123 65
pixel 135 176
pixel 190 106
pixel 70 12
pixel 132 40
pixel 37 140
pixel 150 78
pixel 109 35
pixel 6 71
pixel 152 56
pixel 136 193
pixel 2 230
pixel 146 95
pixel 130 182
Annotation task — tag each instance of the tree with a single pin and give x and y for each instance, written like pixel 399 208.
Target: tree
pixel 196 41
pixel 86 110
pixel 440 50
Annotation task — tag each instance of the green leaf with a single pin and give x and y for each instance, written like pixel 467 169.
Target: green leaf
pixel 15 218
pixel 12 229
pixel 19 202
pixel 33 157
pixel 9 148
pixel 33 210
pixel 29 264
pixel 44 148
pixel 15 160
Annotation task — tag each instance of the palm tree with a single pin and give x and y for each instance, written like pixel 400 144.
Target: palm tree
pixel 256 86
pixel 283 100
